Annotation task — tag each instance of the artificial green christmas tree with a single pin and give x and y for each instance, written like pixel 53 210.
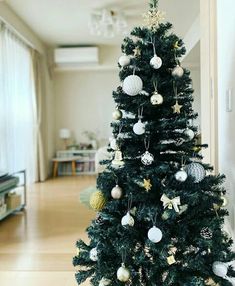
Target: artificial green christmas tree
pixel 161 210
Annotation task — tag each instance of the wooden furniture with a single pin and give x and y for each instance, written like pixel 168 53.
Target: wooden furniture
pixel 74 162
pixel 13 193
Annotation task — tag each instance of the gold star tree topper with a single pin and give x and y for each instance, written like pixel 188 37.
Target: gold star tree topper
pixel 177 108
pixel 153 18
pixel 147 185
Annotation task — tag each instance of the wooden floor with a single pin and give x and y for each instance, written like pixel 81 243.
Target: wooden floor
pixel 37 246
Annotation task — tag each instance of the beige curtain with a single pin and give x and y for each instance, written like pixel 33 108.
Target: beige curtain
pixel 37 69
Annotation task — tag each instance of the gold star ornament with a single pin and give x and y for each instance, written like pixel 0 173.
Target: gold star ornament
pixel 137 52
pixel 153 18
pixel 147 185
pixel 177 108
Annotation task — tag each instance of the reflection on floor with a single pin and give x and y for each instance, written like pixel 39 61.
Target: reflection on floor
pixel 36 246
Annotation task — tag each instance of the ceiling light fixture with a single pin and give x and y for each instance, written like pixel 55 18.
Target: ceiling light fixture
pixel 108 23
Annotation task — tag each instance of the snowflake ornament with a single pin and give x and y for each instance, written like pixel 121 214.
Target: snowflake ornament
pixel 153 18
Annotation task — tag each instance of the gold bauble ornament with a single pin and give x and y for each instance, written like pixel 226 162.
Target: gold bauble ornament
pixel 97 201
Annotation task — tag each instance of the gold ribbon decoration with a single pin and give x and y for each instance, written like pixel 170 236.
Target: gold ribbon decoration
pixel 171 203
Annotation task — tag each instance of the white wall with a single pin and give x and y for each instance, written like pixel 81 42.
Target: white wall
pixel 226 80
pixel 195 75
pixel 84 102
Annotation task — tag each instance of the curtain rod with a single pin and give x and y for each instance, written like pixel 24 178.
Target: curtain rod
pixel 17 33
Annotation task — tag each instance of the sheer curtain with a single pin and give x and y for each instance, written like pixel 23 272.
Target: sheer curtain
pixel 17 106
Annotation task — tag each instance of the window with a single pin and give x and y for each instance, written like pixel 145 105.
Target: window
pixel 17 106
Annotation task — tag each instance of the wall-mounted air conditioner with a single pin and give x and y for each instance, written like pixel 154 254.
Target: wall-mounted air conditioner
pixel 76 56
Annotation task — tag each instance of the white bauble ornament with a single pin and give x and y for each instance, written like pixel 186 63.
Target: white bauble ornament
pixel 128 220
pixel 197 171
pixel 155 234
pixel 189 133
pixel 113 143
pixel 181 175
pixel 156 62
pixel 123 273
pixel 156 99
pixel 116 192
pixel 147 158
pixel 139 128
pixel 225 201
pixel 220 269
pixel 178 71
pixel 124 61
pixel 132 85
pixel 117 114
pixel 104 282
pixel 93 254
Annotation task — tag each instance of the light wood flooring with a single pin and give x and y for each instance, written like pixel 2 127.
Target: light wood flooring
pixel 37 245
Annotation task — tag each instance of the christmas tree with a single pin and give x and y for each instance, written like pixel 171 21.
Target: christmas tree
pixel 160 208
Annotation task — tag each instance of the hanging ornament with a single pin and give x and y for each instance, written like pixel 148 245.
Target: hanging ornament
pixel 128 220
pixel 155 234
pixel 153 18
pixel 181 175
pixel 123 273
pixel 117 114
pixel 177 107
pixel 171 260
pixel 171 203
pixel 176 45
pixel 206 233
pixel 156 62
pixel 118 159
pixel 147 185
pixel 132 85
pixel 220 269
pixel 156 98
pixel 178 71
pixel 124 60
pixel 225 201
pixel 189 133
pixel 210 282
pixel 94 254
pixel 196 171
pixel 139 127
pixel 137 52
pixel 78 251
pixel 147 158
pixel 116 192
pixel 104 282
pixel 97 201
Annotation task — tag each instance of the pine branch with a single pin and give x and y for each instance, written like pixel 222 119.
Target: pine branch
pixel 153 4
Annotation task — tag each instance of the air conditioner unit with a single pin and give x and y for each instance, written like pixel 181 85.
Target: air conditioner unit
pixel 76 56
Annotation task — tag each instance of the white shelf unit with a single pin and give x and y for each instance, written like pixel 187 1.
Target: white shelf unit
pixel 85 162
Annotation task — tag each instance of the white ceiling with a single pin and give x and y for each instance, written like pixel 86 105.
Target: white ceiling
pixel 64 22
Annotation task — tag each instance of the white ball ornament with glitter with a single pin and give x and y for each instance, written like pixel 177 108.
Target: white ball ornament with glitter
pixel 197 171
pixel 128 220
pixel 156 98
pixel 155 234
pixel 93 254
pixel 178 72
pixel 124 60
pixel 220 269
pixel 139 128
pixel 123 273
pixel 181 175
pixel 156 62
pixel 132 85
pixel 189 133
pixel 116 192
